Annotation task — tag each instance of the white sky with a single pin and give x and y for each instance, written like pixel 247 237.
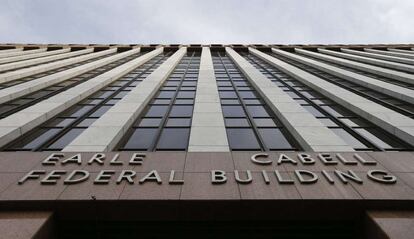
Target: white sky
pixel 208 21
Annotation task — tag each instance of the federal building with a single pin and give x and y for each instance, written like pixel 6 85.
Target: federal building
pixel 206 141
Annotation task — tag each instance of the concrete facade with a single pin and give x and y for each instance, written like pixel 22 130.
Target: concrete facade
pixel 207 129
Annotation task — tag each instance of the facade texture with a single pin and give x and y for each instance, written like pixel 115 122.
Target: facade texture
pixel 244 134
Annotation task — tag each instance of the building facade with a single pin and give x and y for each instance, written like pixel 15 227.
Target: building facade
pixel 212 141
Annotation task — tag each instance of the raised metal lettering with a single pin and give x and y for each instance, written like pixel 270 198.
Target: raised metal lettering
pixel 52 177
pixel 255 159
pixel 77 176
pixel 385 178
pixel 300 175
pixel 218 177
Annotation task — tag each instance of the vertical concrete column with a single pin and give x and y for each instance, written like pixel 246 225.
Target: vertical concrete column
pixel 402 51
pixel 43 53
pixel 371 83
pixel 390 53
pixel 20 73
pixel 25 120
pixel 381 63
pixel 208 132
pixel 396 75
pixel 105 133
pixel 379 56
pixel 391 121
pixel 12 52
pixel 19 90
pixel 36 61
pixel 307 130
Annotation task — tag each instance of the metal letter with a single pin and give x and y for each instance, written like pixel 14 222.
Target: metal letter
pixel 299 174
pixel 248 180
pixel 77 158
pixel 127 175
pixel 345 161
pixel 306 159
pixel 327 159
pixel 84 175
pixel 53 158
pixel 386 178
pixel 114 160
pixel 52 177
pixel 173 180
pixel 328 177
pixel 151 176
pixel 98 157
pixel 265 177
pixel 34 174
pixel 218 177
pixel 350 175
pixel 255 158
pixel 103 177
pixel 281 180
pixel 137 159
pixel 284 158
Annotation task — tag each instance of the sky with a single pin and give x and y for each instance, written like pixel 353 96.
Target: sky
pixel 207 22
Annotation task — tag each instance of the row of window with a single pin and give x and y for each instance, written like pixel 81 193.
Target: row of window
pixel 58 132
pixel 250 124
pixel 354 130
pixel 165 123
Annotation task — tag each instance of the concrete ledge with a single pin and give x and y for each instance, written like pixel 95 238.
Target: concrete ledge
pixel 20 225
pixel 390 224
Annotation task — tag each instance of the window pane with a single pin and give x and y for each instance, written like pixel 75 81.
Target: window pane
pixel 257 111
pixel 237 122
pixel 37 140
pixel 174 139
pixel 141 139
pixel 384 142
pixel 240 139
pixel 274 139
pixel 181 111
pixel 66 139
pixel 150 122
pixel 233 111
pixel 100 111
pixel 265 122
pixel 157 111
pixel 178 122
pixel 313 111
pixel 228 94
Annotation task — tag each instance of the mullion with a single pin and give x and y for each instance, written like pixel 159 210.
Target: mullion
pixel 167 113
pixel 250 118
pixel 352 87
pixel 54 92
pixel 96 107
pixel 347 128
pixel 8 84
